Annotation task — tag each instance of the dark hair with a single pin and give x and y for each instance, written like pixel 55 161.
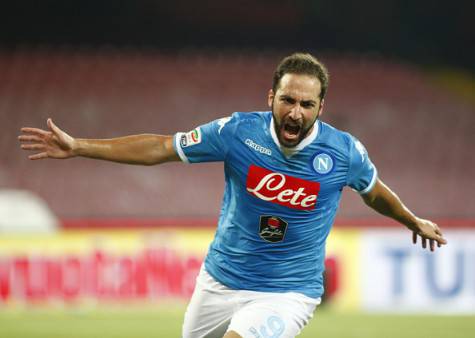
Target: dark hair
pixel 302 63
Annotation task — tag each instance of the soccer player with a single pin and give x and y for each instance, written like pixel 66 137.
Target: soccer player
pixel 285 171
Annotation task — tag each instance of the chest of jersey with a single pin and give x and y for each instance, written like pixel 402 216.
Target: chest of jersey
pixel 301 181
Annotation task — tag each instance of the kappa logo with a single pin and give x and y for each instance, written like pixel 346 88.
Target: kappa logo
pixel 191 138
pixel 258 147
pixel 222 122
pixel 361 149
pixel 289 191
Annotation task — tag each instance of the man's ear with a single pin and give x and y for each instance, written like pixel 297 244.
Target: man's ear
pixel 320 110
pixel 270 98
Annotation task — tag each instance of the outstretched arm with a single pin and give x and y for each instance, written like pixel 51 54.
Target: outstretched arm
pixel 145 149
pixel 386 202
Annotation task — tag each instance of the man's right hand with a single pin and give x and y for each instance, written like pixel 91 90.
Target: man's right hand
pixel 48 144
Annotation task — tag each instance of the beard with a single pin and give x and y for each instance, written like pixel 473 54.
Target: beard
pixel 289 132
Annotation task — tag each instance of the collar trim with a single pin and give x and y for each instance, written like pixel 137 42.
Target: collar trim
pixel 305 142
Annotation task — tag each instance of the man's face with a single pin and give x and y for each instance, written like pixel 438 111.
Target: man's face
pixel 295 105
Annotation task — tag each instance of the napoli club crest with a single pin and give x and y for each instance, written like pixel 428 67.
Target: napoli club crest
pixel 272 228
pixel 323 163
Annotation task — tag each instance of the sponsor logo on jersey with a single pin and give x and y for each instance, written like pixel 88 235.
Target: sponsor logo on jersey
pixel 272 228
pixel 258 147
pixel 323 163
pixel 191 138
pixel 289 191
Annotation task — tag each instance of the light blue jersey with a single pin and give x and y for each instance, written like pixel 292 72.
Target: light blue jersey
pixel 279 203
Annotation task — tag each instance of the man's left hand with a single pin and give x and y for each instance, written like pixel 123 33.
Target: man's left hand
pixel 428 231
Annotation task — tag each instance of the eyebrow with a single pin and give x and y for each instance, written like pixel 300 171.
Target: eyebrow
pixel 285 96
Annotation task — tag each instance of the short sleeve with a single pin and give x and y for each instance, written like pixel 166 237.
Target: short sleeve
pixel 362 173
pixel 206 143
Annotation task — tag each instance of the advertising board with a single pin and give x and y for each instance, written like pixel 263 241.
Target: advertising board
pixel 370 269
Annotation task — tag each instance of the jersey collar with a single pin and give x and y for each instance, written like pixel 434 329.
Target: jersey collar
pixel 305 142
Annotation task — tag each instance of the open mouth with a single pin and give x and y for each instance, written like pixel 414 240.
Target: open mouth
pixel 291 131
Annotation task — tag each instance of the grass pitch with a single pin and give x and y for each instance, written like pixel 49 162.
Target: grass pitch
pixel 166 322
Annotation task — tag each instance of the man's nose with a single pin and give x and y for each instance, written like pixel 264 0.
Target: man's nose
pixel 296 112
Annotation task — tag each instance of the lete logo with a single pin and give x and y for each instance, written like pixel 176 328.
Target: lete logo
pixel 285 190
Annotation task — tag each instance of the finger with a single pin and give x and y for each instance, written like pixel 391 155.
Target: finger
pixel 432 245
pixel 414 237
pixel 439 233
pixel 36 131
pixel 441 240
pixel 438 236
pixel 53 127
pixel 29 138
pixel 424 242
pixel 38 156
pixel 33 146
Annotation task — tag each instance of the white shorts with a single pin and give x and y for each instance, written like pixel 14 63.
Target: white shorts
pixel 215 309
